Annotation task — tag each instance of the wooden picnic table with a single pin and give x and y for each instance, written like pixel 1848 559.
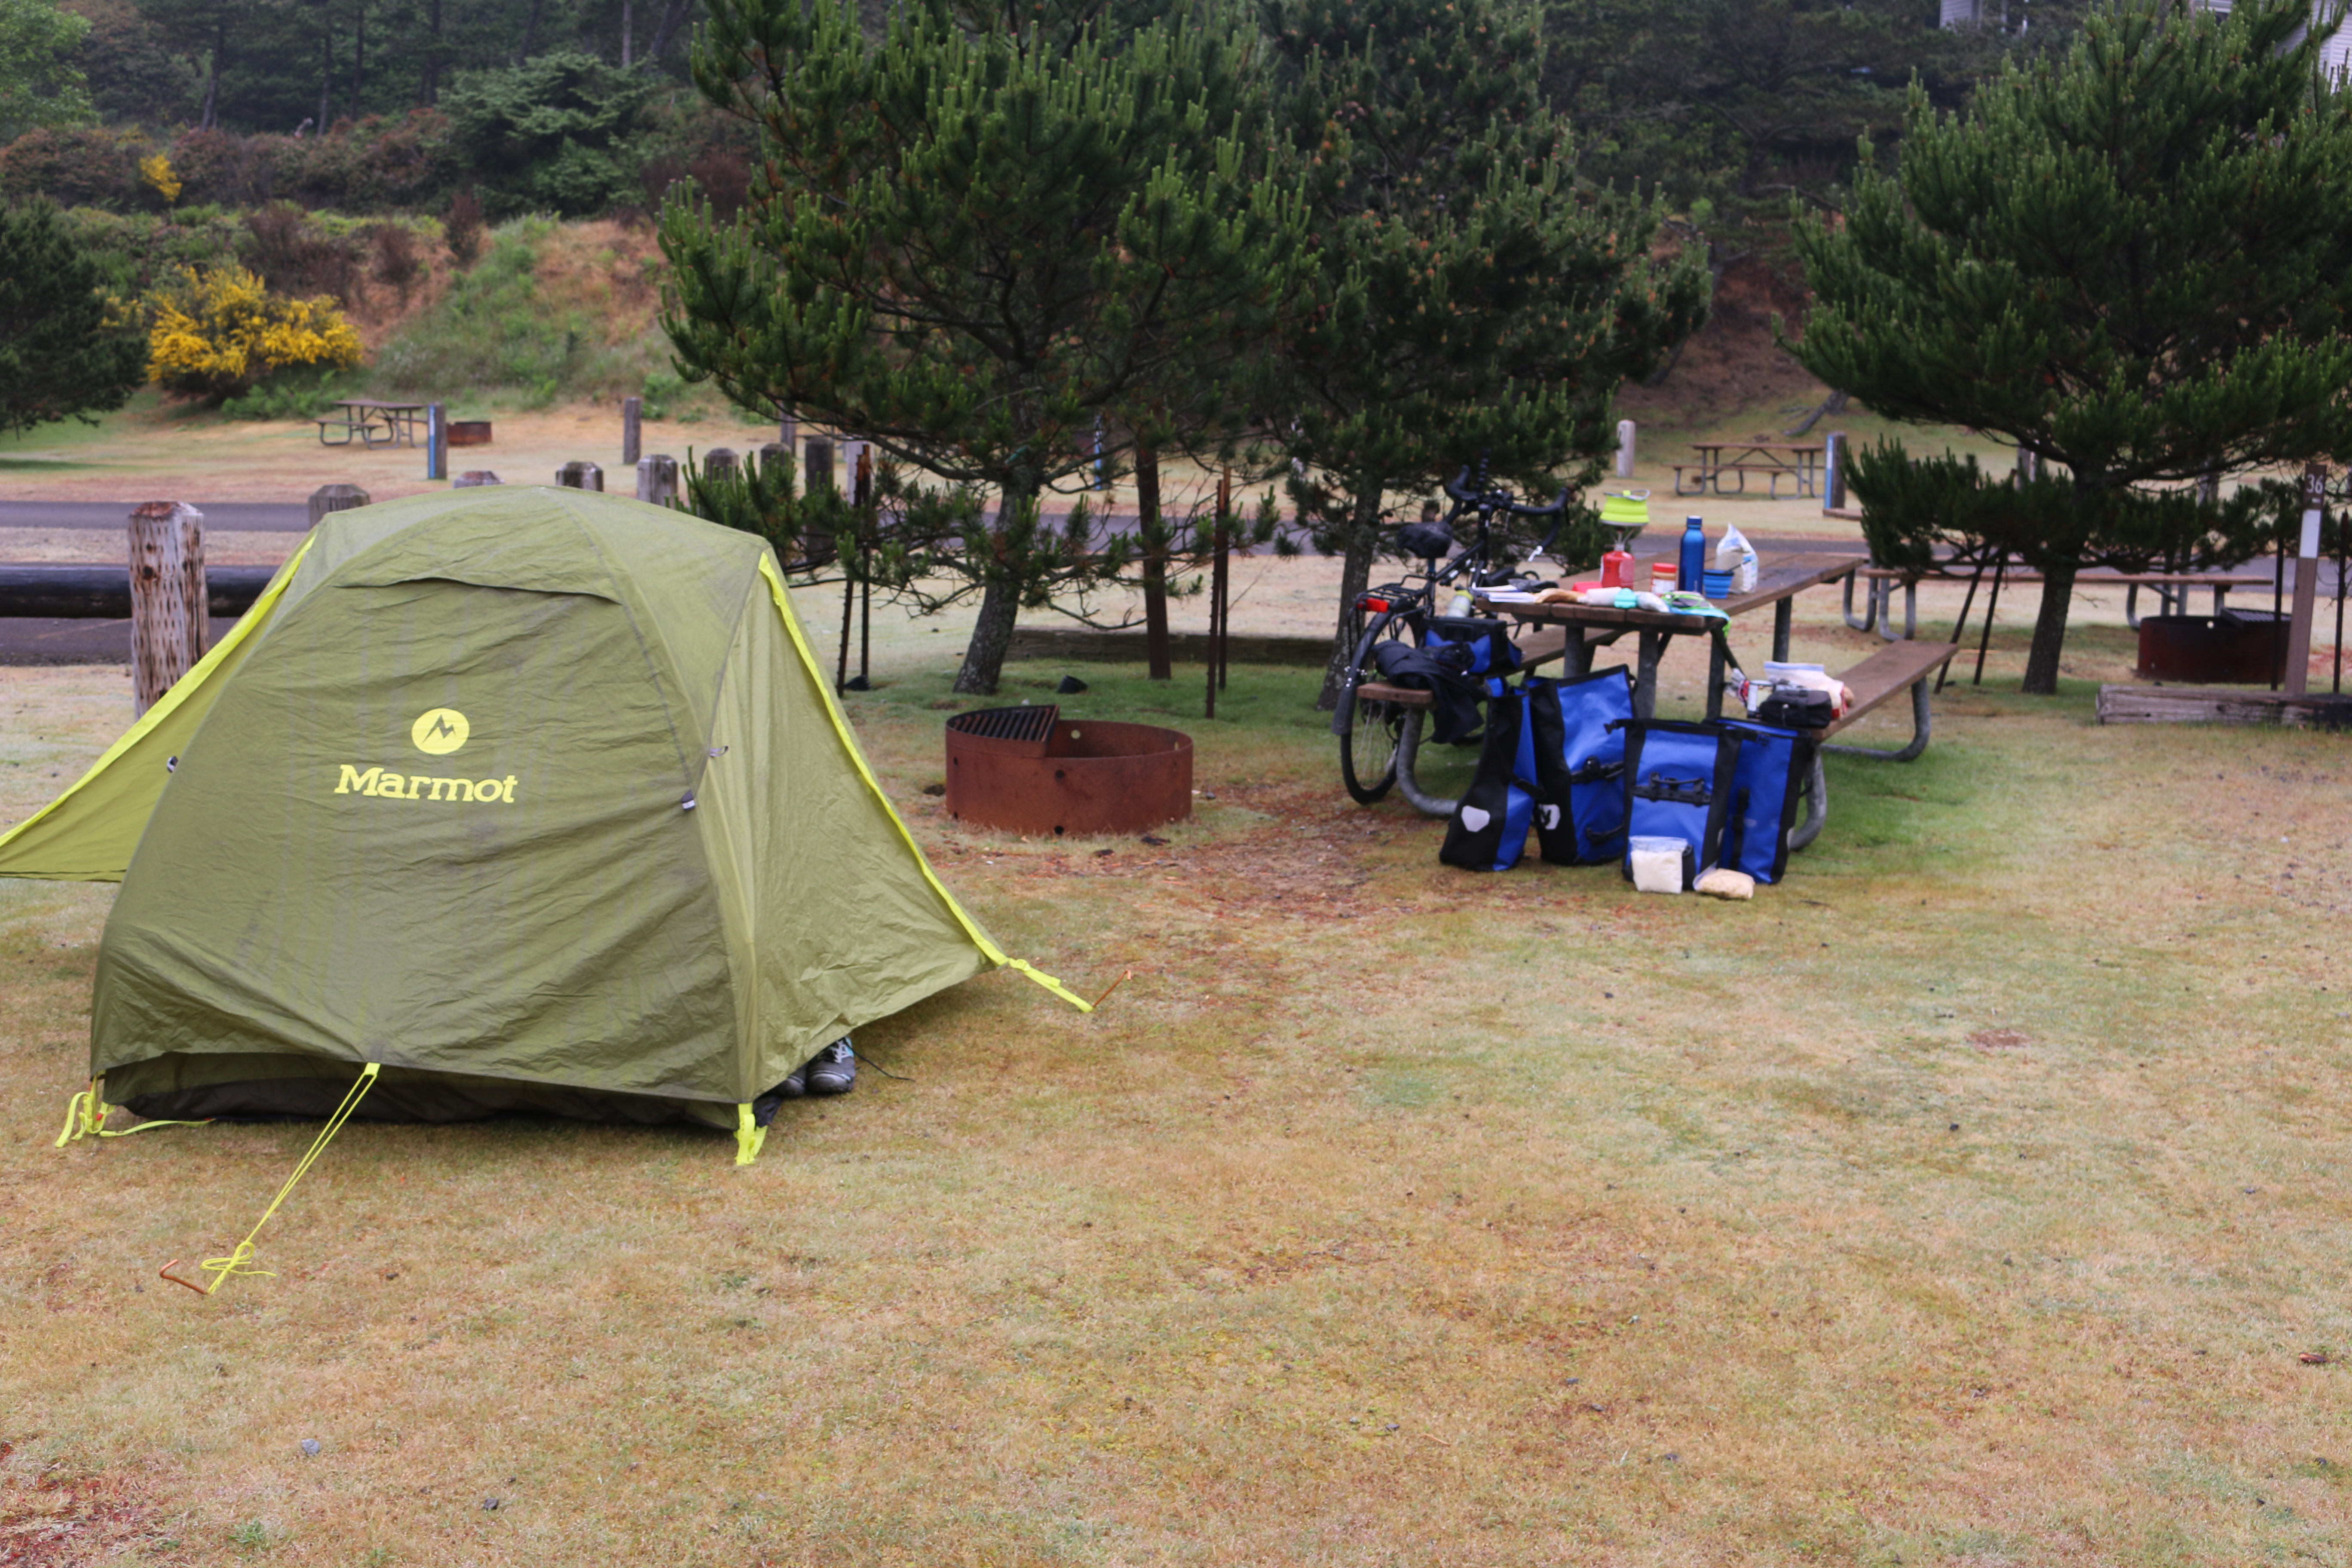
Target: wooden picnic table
pixel 1801 463
pixel 2171 589
pixel 1571 633
pixel 374 423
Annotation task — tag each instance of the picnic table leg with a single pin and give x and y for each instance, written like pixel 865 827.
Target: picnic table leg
pixel 1869 602
pixel 1816 790
pixel 1885 609
pixel 1408 751
pixel 1576 656
pixel 1919 732
pixel 1645 674
pixel 1783 614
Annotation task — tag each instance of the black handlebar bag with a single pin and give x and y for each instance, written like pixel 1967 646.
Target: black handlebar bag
pixel 1490 829
pixel 1680 780
pixel 1492 654
pixel 1572 755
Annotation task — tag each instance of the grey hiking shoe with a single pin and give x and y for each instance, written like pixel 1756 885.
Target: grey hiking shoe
pixel 832 1071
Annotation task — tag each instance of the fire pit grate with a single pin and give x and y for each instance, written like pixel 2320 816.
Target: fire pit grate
pixel 1027 724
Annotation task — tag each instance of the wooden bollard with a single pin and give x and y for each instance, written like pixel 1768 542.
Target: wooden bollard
pixel 473 476
pixel 818 473
pixel 632 416
pixel 658 478
pixel 170 616
pixel 1833 447
pixel 580 476
pixel 1626 436
pixel 335 497
pixel 719 463
pixel 775 457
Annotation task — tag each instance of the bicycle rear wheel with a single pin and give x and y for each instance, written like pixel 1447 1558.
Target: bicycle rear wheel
pixel 1368 745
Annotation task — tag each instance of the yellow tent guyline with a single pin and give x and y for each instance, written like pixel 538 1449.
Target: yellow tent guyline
pixel 220 1269
pixel 856 754
pixel 86 1114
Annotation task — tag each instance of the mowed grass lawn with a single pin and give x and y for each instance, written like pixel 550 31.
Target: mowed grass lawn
pixel 1977 1196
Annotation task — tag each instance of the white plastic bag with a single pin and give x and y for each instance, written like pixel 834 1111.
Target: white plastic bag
pixel 1733 554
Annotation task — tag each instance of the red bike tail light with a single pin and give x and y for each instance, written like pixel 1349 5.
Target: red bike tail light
pixel 1368 602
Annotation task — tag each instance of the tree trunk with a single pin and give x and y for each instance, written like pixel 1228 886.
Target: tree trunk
pixel 629 31
pixel 991 638
pixel 429 81
pixel 672 18
pixel 212 80
pixel 358 58
pixel 326 68
pixel 1155 563
pixel 2049 630
pixel 1355 576
pixel 530 32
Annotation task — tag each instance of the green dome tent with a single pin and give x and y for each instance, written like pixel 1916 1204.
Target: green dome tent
pixel 512 799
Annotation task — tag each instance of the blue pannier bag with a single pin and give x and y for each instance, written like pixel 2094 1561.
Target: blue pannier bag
pixel 1490 830
pixel 1772 770
pixel 1572 755
pixel 1679 783
pixel 1493 654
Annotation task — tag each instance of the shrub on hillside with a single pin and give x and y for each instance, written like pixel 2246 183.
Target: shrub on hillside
pixel 216 334
pixel 82 166
pixel 463 228
pixel 549 136
pixel 299 255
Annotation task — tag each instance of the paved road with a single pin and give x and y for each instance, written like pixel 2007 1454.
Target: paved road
pixel 263 517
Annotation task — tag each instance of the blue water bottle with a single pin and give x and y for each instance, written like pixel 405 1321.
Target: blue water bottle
pixel 1690 574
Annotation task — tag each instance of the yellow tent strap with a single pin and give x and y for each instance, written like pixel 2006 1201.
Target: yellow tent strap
pixel 86 1114
pixel 221 1269
pixel 193 681
pixel 849 743
pixel 749 1136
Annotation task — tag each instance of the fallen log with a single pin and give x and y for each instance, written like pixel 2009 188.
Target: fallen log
pixel 76 592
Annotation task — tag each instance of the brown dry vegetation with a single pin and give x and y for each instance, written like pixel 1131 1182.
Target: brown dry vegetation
pixel 1390 1215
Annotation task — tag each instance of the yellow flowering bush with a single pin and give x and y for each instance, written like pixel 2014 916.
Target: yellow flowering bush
pixel 156 169
pixel 218 331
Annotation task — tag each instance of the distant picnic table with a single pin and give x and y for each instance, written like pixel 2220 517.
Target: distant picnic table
pixel 1801 464
pixel 375 424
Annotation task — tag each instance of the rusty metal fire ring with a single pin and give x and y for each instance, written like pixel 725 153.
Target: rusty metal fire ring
pixel 1029 771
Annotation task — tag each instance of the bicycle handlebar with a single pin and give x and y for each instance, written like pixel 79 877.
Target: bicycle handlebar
pixel 1499 500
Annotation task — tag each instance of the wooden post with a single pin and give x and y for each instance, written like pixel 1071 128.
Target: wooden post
pixel 1217 606
pixel 580 476
pixel 788 433
pixel 1155 563
pixel 720 463
pixel 1833 471
pixel 2306 579
pixel 658 478
pixel 817 473
pixel 863 490
pixel 335 497
pixel 1224 576
pixel 170 611
pixel 775 458
pixel 632 416
pixel 473 476
pixel 1625 437
pixel 436 441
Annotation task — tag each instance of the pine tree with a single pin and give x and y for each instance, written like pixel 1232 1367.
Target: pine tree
pixel 1468 297
pixel 62 355
pixel 2133 260
pixel 977 242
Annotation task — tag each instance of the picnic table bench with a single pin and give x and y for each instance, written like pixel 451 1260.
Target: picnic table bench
pixel 1571 632
pixel 1799 463
pixel 375 424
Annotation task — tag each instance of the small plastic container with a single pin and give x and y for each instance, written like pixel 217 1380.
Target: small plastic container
pixel 1658 865
pixel 1662 577
pixel 1717 584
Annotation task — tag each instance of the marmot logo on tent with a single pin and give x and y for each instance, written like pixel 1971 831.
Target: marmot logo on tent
pixel 439 731
pixel 384 783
